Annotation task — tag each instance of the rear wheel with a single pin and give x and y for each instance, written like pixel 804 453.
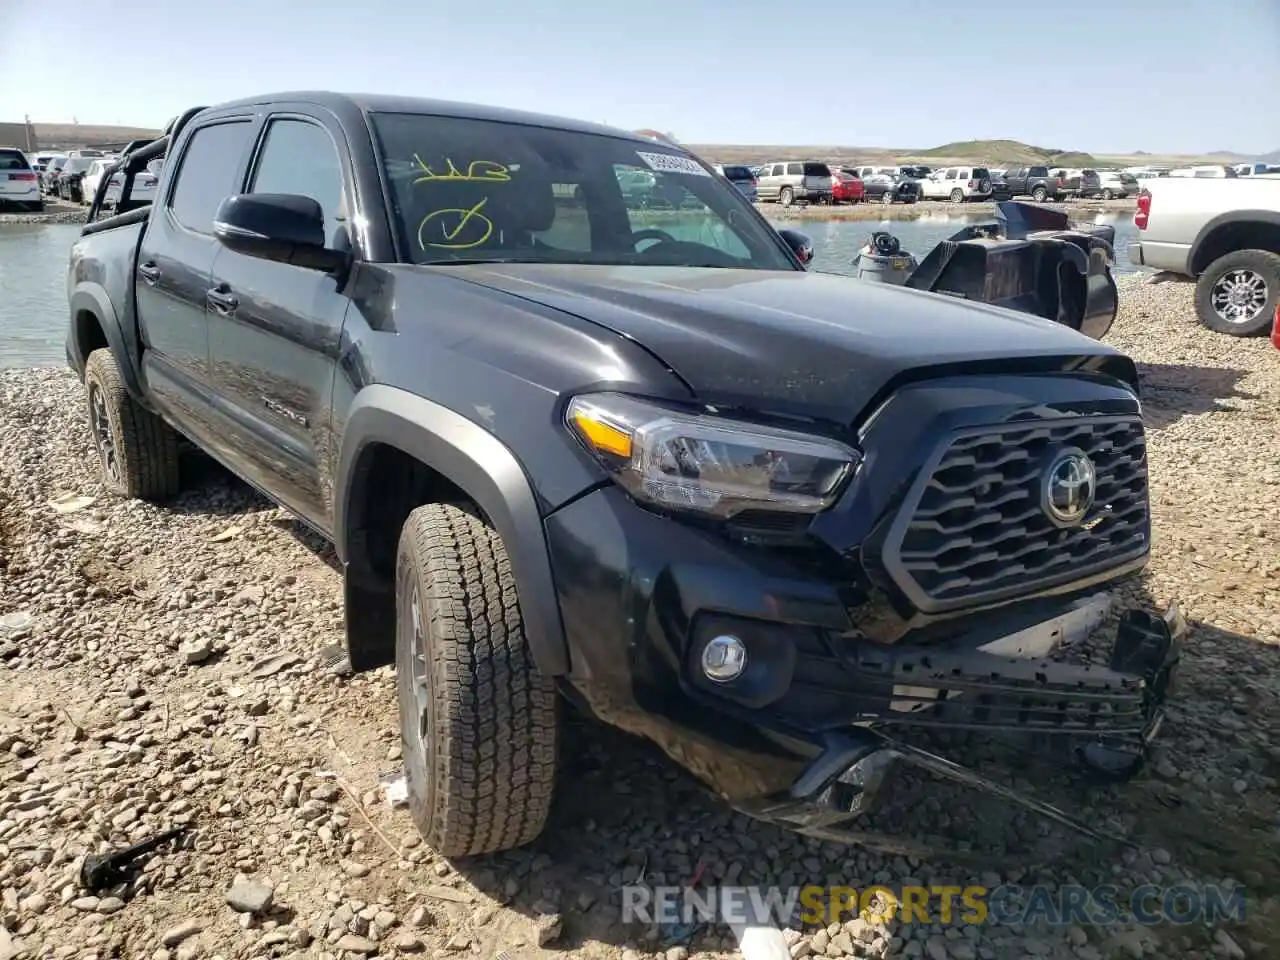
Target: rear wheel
pixel 138 452
pixel 478 720
pixel 957 195
pixel 786 197
pixel 1108 195
pixel 1039 194
pixel 1237 293
pixel 887 197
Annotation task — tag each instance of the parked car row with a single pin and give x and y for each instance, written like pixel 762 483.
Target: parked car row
pixel 814 181
pixel 75 176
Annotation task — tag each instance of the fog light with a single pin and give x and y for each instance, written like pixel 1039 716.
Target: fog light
pixel 724 658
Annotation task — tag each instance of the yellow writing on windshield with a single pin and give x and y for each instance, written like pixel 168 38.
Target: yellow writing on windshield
pixel 478 171
pixel 459 228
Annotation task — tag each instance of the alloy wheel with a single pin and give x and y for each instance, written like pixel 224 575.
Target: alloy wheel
pixel 100 425
pixel 1238 296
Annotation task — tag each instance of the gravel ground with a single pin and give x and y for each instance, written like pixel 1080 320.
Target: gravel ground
pixel 912 211
pixel 55 211
pixel 163 666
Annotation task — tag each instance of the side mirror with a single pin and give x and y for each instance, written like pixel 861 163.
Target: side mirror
pixel 800 245
pixel 277 226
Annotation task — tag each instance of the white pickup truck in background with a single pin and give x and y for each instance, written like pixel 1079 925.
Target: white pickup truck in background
pixel 1222 232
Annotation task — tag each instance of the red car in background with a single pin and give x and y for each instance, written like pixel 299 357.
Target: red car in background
pixel 846 188
pixel 1275 329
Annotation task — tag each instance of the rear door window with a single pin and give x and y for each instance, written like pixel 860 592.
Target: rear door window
pixel 1038 172
pixel 207 173
pixel 795 169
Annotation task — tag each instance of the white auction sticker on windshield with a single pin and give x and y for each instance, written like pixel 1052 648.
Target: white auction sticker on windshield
pixel 672 163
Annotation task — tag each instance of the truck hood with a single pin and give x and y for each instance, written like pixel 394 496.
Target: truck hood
pixel 799 343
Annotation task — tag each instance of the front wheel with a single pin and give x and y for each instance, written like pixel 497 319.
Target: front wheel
pixel 478 721
pixel 886 198
pixel 786 197
pixel 1108 195
pixel 137 451
pixel 1237 293
pixel 1039 194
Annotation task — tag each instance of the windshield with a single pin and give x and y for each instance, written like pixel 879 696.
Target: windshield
pixel 481 190
pixel 77 165
pixel 13 160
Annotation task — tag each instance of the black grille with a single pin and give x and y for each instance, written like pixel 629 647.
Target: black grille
pixel 976 528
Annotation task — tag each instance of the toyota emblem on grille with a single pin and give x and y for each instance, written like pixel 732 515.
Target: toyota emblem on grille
pixel 1068 489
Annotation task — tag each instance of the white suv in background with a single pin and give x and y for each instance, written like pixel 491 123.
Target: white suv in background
pixel 957 184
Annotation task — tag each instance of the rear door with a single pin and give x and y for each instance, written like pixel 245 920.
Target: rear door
pixel 172 271
pixel 275 328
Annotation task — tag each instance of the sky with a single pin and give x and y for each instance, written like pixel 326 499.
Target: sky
pixel 1162 76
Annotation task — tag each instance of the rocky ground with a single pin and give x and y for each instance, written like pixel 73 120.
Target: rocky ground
pixel 55 211
pixel 164 667
pixel 58 211
pixel 912 211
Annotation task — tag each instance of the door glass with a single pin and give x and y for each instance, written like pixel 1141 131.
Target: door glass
pixel 299 158
pixel 207 174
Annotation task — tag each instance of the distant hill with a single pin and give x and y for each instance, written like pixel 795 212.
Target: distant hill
pixel 1009 152
pixel 74 134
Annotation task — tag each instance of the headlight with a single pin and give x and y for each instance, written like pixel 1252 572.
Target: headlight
pixel 705 463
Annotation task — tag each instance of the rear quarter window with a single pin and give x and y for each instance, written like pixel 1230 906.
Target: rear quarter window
pixel 817 170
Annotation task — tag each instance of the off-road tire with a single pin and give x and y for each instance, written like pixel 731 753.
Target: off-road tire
pixel 145 448
pixel 786 197
pixel 1261 262
pixel 481 752
pixel 1039 194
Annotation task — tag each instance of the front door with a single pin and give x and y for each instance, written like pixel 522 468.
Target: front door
pixel 275 328
pixel 172 276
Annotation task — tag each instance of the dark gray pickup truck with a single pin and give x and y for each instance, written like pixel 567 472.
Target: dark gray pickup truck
pixel 635 455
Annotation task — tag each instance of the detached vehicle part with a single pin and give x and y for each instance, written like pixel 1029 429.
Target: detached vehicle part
pixel 1032 260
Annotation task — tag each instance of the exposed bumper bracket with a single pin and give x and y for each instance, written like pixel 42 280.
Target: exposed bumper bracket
pixel 842 781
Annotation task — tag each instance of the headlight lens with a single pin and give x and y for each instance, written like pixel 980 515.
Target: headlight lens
pixel 708 464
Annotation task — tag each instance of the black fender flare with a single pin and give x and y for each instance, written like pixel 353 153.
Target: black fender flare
pixel 92 298
pixel 1270 217
pixel 481 465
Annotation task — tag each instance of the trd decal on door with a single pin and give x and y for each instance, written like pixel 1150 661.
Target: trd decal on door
pixel 285 411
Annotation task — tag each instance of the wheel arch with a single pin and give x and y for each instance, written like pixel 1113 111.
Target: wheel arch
pixel 459 458
pixel 94 325
pixel 1235 230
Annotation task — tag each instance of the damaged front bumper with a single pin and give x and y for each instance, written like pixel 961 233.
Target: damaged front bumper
pixel 1103 719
